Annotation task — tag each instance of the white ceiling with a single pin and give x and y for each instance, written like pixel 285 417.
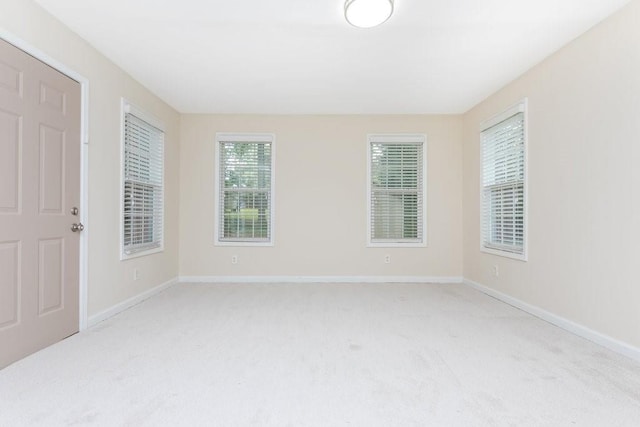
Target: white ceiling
pixel 301 57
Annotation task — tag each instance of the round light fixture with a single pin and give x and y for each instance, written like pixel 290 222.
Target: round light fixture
pixel 367 13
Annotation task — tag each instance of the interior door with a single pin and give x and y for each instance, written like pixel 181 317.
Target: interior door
pixel 39 187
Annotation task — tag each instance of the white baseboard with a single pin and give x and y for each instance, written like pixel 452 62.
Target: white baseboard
pixel 319 279
pixel 568 325
pixel 124 305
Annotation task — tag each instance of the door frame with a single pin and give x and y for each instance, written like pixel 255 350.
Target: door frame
pixel 84 160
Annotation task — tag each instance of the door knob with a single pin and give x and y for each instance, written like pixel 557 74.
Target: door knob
pixel 77 227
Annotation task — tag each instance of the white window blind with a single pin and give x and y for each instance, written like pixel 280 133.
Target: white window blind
pixel 245 189
pixel 396 190
pixel 143 193
pixel 503 183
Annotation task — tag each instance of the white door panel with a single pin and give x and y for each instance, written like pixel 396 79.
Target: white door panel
pixel 39 184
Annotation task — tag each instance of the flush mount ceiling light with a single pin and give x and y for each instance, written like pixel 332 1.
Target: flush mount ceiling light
pixel 367 13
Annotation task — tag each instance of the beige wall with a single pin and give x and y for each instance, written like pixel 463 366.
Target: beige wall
pixel 584 182
pixel 320 198
pixel 110 280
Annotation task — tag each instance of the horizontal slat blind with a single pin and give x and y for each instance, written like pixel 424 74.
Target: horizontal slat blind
pixel 245 191
pixel 396 192
pixel 143 185
pixel 503 175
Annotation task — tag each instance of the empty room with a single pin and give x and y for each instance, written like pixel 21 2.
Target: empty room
pixel 319 213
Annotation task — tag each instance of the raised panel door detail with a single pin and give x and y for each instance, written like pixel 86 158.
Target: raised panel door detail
pixel 52 171
pixel 10 79
pixel 50 275
pixel 10 168
pixel 40 160
pixel 53 98
pixel 9 284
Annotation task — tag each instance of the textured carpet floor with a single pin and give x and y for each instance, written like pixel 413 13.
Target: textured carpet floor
pixel 322 355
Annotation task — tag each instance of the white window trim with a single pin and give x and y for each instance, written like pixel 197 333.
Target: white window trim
pixel 519 107
pixel 398 138
pixel 243 137
pixel 128 107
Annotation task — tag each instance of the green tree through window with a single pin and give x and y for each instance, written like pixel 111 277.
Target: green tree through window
pixel 396 193
pixel 245 191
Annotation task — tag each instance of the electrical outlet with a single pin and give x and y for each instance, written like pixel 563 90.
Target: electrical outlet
pixel 234 259
pixel 387 259
pixel 496 271
pixel 136 274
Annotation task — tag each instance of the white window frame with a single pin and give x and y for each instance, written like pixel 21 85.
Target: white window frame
pixel 243 137
pixel 519 107
pixel 398 139
pixel 130 108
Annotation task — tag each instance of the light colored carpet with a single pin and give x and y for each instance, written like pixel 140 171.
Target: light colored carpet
pixel 322 355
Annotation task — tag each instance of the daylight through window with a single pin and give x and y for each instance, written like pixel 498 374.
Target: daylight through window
pixel 245 193
pixel 143 190
pixel 396 189
pixel 503 183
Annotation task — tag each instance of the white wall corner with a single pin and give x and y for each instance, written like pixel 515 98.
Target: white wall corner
pixel 568 325
pixel 320 279
pixel 127 304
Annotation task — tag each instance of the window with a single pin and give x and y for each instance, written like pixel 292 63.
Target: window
pixel 396 199
pixel 244 189
pixel 142 183
pixel 503 142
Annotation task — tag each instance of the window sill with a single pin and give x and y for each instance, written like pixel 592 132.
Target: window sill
pixel 124 257
pixel 243 244
pixel 505 254
pixel 397 244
